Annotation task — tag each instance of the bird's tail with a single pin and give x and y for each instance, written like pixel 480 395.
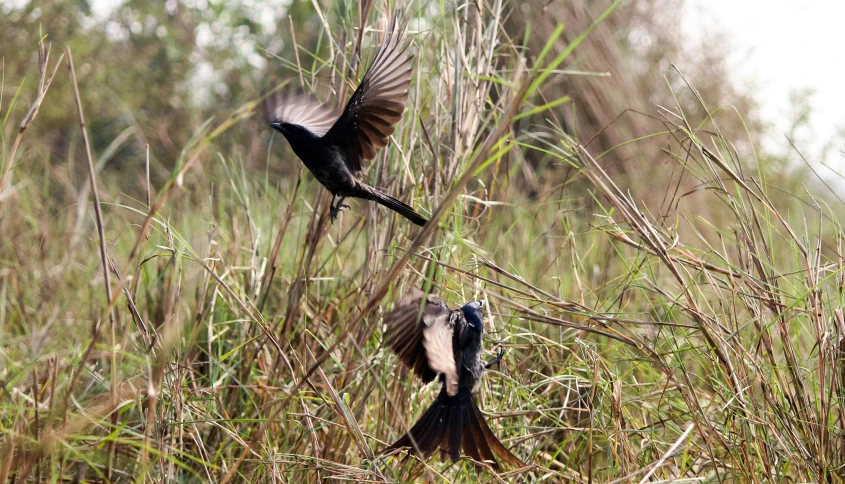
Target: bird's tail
pixel 397 206
pixel 453 423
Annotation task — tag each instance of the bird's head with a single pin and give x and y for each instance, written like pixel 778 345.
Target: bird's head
pixel 292 130
pixel 472 313
pixel 300 138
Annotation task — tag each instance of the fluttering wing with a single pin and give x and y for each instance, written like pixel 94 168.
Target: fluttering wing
pixel 420 331
pixel 295 106
pixel 377 104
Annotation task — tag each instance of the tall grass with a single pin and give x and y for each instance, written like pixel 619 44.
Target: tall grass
pixel 697 338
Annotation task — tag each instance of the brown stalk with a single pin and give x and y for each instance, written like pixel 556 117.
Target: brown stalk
pixel 277 245
pixel 95 330
pixel 43 85
pixel 130 303
pixel 149 185
pixel 296 51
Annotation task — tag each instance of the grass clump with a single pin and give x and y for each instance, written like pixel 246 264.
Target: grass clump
pixel 696 334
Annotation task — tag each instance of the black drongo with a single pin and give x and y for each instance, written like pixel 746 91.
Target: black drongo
pixel 433 340
pixel 335 147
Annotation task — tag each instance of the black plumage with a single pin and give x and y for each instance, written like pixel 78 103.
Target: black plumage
pixel 334 148
pixel 433 340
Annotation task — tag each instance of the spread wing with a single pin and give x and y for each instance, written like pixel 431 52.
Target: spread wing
pixel 378 103
pixel 295 106
pixel 419 331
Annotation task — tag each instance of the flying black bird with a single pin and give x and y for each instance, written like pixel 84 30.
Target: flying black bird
pixel 433 340
pixel 335 147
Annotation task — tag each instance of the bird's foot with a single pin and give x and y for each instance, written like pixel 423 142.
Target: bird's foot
pixel 496 360
pixel 335 209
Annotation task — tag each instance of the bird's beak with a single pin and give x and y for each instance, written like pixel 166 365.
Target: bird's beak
pixel 276 125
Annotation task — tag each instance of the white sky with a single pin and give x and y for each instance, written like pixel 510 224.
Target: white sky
pixel 781 46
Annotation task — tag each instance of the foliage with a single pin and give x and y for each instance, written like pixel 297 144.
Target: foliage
pixel 694 333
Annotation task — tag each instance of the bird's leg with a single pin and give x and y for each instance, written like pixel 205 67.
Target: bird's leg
pixel 496 360
pixel 332 210
pixel 335 209
pixel 341 205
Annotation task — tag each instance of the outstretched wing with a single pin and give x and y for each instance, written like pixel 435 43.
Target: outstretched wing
pixel 295 106
pixel 419 331
pixel 378 103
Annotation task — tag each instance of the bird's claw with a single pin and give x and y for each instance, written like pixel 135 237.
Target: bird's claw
pixel 335 210
pixel 496 360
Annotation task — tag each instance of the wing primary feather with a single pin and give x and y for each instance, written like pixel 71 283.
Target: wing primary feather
pixel 385 83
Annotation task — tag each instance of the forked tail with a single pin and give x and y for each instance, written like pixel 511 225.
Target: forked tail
pixel 397 206
pixel 453 423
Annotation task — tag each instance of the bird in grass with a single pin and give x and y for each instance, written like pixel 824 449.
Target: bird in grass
pixel 335 147
pixel 435 341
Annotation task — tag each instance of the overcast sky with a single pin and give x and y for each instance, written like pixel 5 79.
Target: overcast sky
pixel 782 46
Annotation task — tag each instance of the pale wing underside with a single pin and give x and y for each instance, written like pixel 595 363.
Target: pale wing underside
pixel 406 325
pixel 294 106
pixel 437 340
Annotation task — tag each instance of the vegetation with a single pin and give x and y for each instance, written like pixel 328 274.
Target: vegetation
pixel 175 305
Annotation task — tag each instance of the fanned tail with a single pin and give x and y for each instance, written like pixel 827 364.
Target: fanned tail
pixel 397 206
pixel 452 424
pixel 488 439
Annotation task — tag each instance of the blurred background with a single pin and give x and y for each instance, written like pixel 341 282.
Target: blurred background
pixel 162 69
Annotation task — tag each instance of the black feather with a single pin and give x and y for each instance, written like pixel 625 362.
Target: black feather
pixel 334 148
pixel 453 424
pixel 417 330
pixel 399 207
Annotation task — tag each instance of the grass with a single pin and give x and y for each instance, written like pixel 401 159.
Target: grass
pixel 236 336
